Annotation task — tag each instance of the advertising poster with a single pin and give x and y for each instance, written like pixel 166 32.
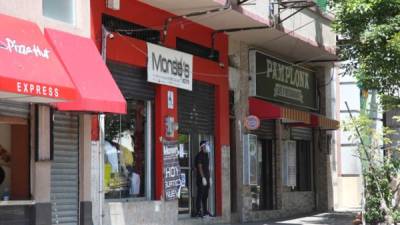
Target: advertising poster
pixel 172 171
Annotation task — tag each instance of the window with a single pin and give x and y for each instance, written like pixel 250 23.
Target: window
pixel 114 24
pixel 14 160
pixel 303 164
pixel 128 153
pixel 63 10
pixel 197 50
pixel 350 162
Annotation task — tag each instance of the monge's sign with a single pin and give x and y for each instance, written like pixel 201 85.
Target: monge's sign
pixel 169 67
pixel 279 81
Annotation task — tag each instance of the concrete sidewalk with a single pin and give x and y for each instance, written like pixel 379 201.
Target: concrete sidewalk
pixel 334 218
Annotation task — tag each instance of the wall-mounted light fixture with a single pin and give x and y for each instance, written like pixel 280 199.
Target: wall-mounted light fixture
pixel 113 4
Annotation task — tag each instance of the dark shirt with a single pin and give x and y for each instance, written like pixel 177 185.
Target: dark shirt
pixel 202 158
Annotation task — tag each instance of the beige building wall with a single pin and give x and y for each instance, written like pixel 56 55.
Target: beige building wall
pixel 318 25
pixel 347 183
pixel 32 10
pixel 349 195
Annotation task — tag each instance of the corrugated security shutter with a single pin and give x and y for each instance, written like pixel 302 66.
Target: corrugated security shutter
pixel 196 109
pixel 13 108
pixel 65 170
pixel 266 130
pixel 131 81
pixel 301 133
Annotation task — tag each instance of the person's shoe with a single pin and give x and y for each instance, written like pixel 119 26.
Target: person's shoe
pixel 199 215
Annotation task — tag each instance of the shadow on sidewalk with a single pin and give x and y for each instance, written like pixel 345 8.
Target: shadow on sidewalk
pixel 331 218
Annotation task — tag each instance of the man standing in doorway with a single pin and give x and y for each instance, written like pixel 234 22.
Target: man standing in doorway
pixel 202 178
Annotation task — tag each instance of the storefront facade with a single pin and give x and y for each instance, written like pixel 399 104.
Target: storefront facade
pixel 278 111
pixel 47 96
pixel 180 112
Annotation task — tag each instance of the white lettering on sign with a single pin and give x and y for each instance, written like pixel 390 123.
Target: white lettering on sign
pixel 37 89
pixel 285 74
pixel 288 92
pixel 12 46
pixel 172 172
pixel 169 67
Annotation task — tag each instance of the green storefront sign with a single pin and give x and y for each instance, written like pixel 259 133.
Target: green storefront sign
pixel 280 81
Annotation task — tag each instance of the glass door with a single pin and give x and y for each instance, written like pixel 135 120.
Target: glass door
pixel 211 155
pixel 184 202
pixel 188 148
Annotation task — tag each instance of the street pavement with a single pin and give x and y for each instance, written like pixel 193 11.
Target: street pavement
pixel 334 218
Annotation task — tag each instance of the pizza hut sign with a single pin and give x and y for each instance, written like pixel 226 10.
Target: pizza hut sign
pixel 13 46
pixel 252 122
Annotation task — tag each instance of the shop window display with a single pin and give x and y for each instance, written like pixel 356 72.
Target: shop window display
pixel 5 170
pixel 14 162
pixel 125 153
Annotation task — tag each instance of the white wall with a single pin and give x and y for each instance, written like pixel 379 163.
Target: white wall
pixel 318 30
pixel 32 10
pixel 348 183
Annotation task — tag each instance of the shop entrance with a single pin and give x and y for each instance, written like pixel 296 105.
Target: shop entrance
pixel 189 147
pixel 266 184
pixel 196 123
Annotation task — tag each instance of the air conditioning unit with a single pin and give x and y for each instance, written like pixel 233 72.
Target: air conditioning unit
pixel 113 4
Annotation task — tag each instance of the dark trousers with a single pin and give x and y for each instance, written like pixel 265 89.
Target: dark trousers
pixel 202 196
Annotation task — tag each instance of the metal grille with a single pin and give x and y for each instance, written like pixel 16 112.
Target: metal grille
pixel 13 108
pixel 131 81
pixel 266 129
pixel 127 28
pixel 196 49
pixel 196 109
pixel 65 170
pixel 302 133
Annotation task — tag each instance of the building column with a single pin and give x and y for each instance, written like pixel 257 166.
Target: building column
pixel 279 136
pixel 41 170
pixel 85 164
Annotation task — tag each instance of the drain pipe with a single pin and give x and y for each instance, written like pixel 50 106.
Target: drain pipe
pixel 105 35
pixel 168 21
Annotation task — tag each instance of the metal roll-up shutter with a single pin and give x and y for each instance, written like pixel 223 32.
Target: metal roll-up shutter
pixel 132 81
pixel 13 108
pixel 65 169
pixel 301 133
pixel 266 129
pixel 196 108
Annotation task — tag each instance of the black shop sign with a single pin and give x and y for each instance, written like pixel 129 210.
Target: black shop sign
pixel 275 80
pixel 172 171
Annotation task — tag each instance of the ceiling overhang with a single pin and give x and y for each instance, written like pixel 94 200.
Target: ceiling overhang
pixel 281 42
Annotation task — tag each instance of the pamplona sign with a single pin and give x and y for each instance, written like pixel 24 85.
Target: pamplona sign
pixel 172 171
pixel 169 67
pixel 279 81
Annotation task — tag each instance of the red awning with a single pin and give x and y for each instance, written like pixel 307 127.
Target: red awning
pixel 265 110
pixel 324 122
pixel 97 88
pixel 29 69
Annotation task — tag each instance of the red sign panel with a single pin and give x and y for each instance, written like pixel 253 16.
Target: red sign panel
pixel 28 64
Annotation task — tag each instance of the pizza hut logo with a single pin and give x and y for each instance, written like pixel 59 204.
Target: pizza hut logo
pixel 13 46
